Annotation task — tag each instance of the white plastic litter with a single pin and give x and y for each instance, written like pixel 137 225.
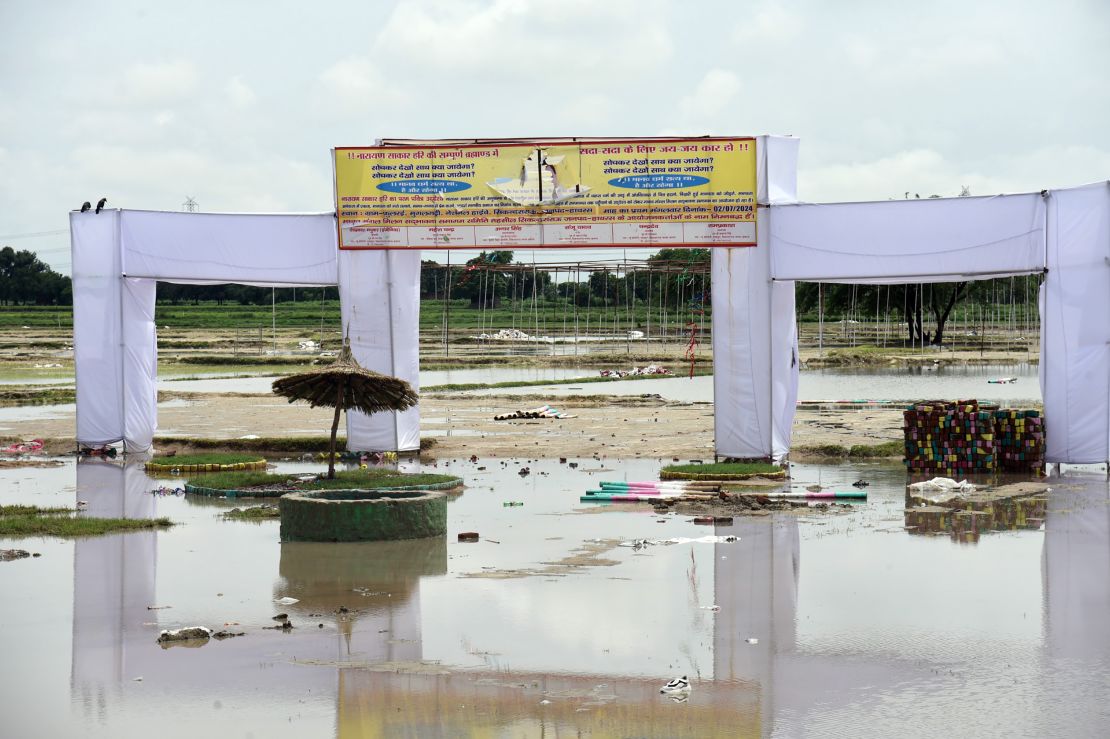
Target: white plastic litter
pixel 944 483
pixel 702 540
pixel 287 601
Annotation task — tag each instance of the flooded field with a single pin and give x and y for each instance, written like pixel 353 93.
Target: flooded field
pixel 868 383
pixel 885 383
pixel 809 624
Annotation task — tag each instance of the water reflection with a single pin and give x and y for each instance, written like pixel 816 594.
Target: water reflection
pixel 369 590
pixel 824 623
pixel 1076 568
pixel 113 584
pixel 974 513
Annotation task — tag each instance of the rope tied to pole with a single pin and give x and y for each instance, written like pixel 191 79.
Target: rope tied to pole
pixel 692 347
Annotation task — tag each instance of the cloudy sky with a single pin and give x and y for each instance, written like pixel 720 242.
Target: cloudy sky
pixel 238 104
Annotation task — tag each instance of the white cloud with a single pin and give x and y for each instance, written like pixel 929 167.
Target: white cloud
pixel 357 83
pixel 239 93
pixel 771 21
pixel 928 172
pixel 160 82
pixel 712 95
pixel 552 44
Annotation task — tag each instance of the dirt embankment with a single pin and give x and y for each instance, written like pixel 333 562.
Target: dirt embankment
pixel 463 425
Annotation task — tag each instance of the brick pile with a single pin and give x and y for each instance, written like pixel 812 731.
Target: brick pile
pixel 965 437
pixel 1020 435
pixel 949 439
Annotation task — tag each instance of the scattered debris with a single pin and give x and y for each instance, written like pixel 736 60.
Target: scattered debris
pixel 469 536
pixel 512 503
pixel 287 601
pixel 752 640
pixel 544 411
pixel 224 634
pixel 7 555
pixel 23 447
pixel 651 369
pixel 280 617
pixel 860 484
pixel 189 633
pixel 678 685
pixel 283 626
pixel 157 608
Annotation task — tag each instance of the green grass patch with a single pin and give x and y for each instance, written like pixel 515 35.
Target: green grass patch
pixel 30 510
pixel 725 468
pixel 856 451
pixel 367 479
pixel 37 396
pixel 206 458
pixel 872 451
pixel 254 513
pixel 23 520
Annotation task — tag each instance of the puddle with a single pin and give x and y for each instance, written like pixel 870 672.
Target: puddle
pixel 807 624
pixel 884 383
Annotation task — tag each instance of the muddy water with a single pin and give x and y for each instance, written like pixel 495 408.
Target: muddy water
pixel 548 627
pixel 886 383
pixel 427 378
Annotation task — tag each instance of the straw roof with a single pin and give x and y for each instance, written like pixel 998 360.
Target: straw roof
pixel 346 383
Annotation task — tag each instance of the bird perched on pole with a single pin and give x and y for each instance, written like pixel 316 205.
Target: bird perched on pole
pixel 100 204
pixel 86 206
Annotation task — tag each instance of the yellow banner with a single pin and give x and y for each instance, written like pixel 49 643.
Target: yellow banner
pixel 535 194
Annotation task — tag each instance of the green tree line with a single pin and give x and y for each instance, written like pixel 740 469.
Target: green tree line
pixel 27 280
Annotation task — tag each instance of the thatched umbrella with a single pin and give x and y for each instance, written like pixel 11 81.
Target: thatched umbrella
pixel 344 385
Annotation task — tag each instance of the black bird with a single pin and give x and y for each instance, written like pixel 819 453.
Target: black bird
pixel 100 204
pixel 85 206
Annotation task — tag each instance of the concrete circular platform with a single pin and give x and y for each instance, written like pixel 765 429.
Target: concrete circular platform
pixel 362 515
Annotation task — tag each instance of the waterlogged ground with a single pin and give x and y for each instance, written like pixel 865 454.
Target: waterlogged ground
pixel 810 624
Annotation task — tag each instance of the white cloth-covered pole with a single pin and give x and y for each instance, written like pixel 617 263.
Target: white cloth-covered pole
pixel 741 351
pixel 1075 326
pixel 755 361
pixel 140 364
pixel 97 326
pixel 379 292
pixel 785 365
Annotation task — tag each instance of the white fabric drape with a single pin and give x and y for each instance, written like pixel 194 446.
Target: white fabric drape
pixel 140 363
pixel 97 330
pixel 755 358
pixel 246 248
pixel 755 367
pixel 902 241
pixel 380 296
pixel 1075 327
pixel 776 169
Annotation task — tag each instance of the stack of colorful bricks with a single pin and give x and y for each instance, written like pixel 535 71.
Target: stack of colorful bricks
pixel 965 437
pixel 1020 440
pixel 949 438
